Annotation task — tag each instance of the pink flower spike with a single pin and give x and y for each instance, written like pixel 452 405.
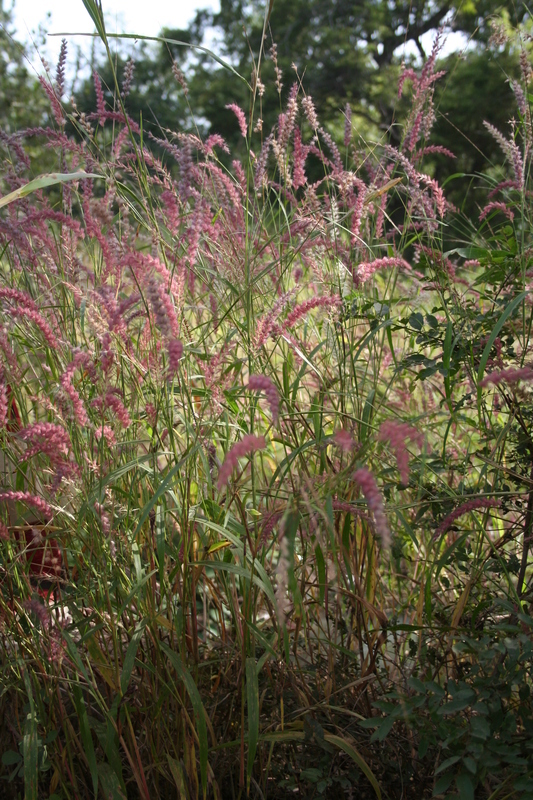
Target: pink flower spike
pixel 470 505
pixel 215 140
pixel 374 500
pixel 39 610
pixel 511 375
pixel 241 118
pixel 104 517
pixel 121 412
pixel 4 402
pixel 248 445
pixel 310 113
pixel 333 302
pixel 397 433
pixel 496 206
pixel 344 440
pixel 175 353
pixel 262 383
pixel 366 269
pixel 39 321
pixel 28 498
pixel 66 382
pixel 100 101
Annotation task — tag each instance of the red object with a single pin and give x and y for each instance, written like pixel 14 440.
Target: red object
pixel 42 552
pixel 44 558
pixel 14 421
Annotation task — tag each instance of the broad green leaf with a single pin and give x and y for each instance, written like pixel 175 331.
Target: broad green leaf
pixel 465 785
pixel 449 762
pixel 480 727
pixel 10 757
pixel 384 728
pixel 442 784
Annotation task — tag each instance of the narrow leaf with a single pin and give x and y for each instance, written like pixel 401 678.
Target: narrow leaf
pixel 45 180
pixel 129 658
pixel 198 708
pixel 252 703
pixel 85 734
pixel 350 750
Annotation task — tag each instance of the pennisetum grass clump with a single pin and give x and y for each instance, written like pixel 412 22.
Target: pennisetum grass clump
pixel 212 568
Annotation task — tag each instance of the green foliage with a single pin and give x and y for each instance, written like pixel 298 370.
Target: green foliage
pixel 22 103
pixel 476 728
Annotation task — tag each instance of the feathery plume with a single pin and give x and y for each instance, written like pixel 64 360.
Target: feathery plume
pixel 364 271
pixel 100 101
pixel 511 375
pixel 309 111
pixel 60 72
pixel 128 77
pixel 470 505
pixel 496 206
pixel 247 446
pixel 23 312
pixel 397 433
pixel 175 353
pixel 262 383
pixel 364 478
pixel 30 500
pixel 332 301
pixel 241 118
pixel 344 440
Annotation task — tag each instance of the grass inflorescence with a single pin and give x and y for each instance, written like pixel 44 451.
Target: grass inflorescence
pixel 266 497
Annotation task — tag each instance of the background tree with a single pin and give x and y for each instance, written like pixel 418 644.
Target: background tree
pixel 345 51
pixel 22 101
pixel 349 50
pixel 154 95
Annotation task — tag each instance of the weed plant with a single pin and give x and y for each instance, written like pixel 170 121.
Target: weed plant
pixel 266 491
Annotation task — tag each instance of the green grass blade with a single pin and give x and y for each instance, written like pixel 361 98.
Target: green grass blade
pixel 198 708
pixel 252 703
pixel 129 658
pixel 321 569
pixel 30 752
pixel 45 180
pixel 350 750
pixel 162 488
pixel 139 37
pixel 513 305
pixel 94 9
pixel 179 778
pixel 85 734
pixel 110 783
